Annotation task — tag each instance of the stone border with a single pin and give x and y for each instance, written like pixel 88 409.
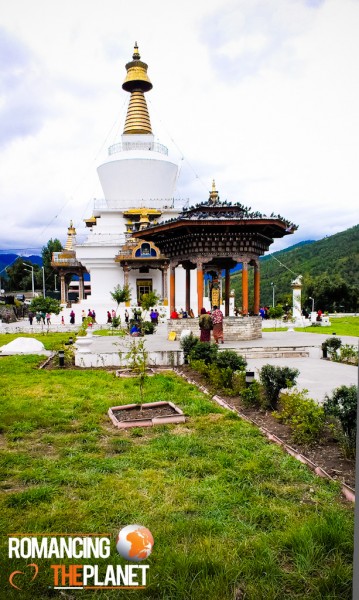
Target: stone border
pixel 146 422
pixel 347 491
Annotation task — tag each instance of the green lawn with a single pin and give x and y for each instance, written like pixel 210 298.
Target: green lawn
pixel 339 325
pixel 228 510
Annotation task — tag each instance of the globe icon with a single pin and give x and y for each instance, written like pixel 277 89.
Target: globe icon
pixel 134 542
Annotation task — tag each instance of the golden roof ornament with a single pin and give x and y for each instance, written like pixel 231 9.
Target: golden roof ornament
pixel 213 196
pixel 71 237
pixel 137 83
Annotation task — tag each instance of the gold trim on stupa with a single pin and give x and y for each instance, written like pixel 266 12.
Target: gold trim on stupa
pixel 213 196
pixel 137 83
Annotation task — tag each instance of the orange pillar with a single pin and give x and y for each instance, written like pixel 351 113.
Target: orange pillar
pixel 245 288
pixel 199 286
pixel 172 288
pixel 188 289
pixel 227 292
pixel 256 289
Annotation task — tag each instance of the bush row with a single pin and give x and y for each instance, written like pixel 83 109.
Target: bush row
pixel 225 371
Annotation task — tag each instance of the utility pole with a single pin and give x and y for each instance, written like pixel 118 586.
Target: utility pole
pixel 32 277
pixel 273 289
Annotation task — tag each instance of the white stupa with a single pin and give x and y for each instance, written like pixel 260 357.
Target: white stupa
pixel 138 180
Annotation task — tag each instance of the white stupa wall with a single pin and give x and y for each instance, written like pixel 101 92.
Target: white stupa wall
pixel 138 179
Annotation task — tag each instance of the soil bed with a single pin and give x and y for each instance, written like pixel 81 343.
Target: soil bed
pixel 327 453
pixel 146 413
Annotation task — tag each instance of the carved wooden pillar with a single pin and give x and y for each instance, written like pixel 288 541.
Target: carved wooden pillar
pixel 256 288
pixel 63 288
pixel 81 286
pixel 227 292
pixel 199 284
pixel 245 288
pixel 164 271
pixel 172 286
pixel 188 289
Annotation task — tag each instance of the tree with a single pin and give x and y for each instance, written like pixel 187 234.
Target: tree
pixel 20 277
pixel 149 300
pixel 137 358
pixel 121 294
pixel 46 253
pixel 46 305
pixel 276 312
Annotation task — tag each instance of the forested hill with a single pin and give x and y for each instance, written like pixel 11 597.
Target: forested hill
pixel 330 269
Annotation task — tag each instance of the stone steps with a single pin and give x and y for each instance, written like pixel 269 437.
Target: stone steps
pixel 273 352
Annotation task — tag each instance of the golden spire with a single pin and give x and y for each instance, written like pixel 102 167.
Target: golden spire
pixel 213 196
pixel 137 83
pixel 71 237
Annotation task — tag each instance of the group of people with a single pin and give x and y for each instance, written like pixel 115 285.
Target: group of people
pixel 211 321
pixel 40 316
pixel 182 314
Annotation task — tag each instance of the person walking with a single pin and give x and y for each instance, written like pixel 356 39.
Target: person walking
pixel 72 317
pixel 109 318
pixel 217 319
pixel 31 317
pixel 48 319
pixel 205 325
pixel 127 317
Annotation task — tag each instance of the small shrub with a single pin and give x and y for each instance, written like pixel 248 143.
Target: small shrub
pixel 147 327
pixel 332 345
pixel 305 417
pixel 204 351
pixel 343 405
pixel 252 395
pixel 116 322
pixel 220 378
pixel 348 354
pixel 275 379
pixel 276 312
pixel 187 343
pixel 239 381
pixel 229 358
pixel 200 366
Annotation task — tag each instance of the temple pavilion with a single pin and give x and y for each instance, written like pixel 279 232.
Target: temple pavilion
pixel 212 238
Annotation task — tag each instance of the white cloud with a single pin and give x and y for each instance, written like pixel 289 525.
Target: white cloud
pixel 262 95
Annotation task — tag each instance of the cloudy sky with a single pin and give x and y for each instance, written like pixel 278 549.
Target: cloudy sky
pixel 261 95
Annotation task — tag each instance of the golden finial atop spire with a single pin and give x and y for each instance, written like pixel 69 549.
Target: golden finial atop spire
pixel 213 196
pixel 136 54
pixel 137 83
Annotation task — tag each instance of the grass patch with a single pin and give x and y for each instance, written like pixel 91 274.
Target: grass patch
pixel 230 512
pixel 275 329
pixel 339 325
pixel 51 341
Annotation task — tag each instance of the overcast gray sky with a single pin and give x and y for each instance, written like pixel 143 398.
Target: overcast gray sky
pixel 261 95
